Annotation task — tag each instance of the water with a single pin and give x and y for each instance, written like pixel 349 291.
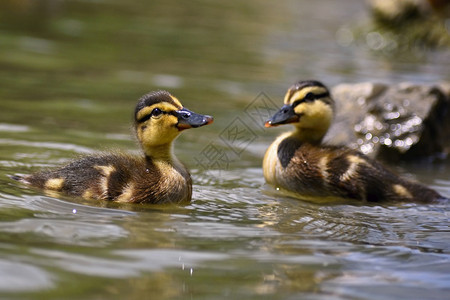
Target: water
pixel 71 73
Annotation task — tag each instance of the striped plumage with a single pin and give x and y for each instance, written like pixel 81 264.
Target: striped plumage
pixel 298 162
pixel 155 177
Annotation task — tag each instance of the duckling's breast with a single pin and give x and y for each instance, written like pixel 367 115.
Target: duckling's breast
pixel 296 167
pixel 157 182
pixel 272 167
pixel 174 184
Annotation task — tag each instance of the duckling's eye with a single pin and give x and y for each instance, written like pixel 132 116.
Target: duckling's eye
pixel 156 112
pixel 309 97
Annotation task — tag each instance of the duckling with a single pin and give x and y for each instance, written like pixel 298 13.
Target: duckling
pixel 300 163
pixel 155 177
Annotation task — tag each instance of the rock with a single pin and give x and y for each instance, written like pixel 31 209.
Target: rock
pixel 395 13
pixel 404 25
pixel 404 121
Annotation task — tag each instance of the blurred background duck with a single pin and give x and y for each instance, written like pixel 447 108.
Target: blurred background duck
pixel 155 177
pixel 298 162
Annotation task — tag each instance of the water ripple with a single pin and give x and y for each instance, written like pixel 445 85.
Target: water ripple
pixel 47 145
pixel 20 277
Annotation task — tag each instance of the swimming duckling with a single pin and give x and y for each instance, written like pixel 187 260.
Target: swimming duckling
pixel 298 161
pixel 156 177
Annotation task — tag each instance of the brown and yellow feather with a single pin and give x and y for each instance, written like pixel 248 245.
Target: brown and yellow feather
pixel 298 162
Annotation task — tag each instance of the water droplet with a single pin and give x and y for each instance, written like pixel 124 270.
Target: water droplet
pixel 366 149
pixel 74 211
pixel 344 37
pixel 392 115
pixel 375 40
pixel 408 141
pixel 399 143
pixel 388 106
pixel 415 121
pixel 361 101
pixel 378 125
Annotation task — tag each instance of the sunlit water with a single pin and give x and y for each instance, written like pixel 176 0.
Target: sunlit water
pixel 69 86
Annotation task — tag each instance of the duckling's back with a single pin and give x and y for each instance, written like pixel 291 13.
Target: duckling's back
pixel 327 171
pixel 118 177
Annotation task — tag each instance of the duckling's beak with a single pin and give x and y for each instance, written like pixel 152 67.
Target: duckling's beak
pixel 188 119
pixel 284 116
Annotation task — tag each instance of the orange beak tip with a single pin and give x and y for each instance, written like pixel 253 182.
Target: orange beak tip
pixel 182 127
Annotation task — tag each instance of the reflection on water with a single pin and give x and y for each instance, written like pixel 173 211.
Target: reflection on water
pixel 71 74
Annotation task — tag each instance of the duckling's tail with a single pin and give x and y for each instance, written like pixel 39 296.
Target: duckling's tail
pixel 442 200
pixel 20 178
pixel 424 194
pixel 15 177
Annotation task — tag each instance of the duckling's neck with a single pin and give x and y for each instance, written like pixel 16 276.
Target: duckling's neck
pixel 307 135
pixel 162 152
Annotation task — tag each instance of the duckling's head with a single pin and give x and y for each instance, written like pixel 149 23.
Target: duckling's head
pixel 160 117
pixel 309 107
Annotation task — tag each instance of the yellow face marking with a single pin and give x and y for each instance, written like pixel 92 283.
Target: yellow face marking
pixel 355 162
pixel 157 131
pixel 177 102
pixel 164 106
pixel 318 110
pixel 315 119
pixel 300 94
pixel 402 191
pixel 54 184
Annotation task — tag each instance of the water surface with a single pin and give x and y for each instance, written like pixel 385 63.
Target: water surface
pixel 71 73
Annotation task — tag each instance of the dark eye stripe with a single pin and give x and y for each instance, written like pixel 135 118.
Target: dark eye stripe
pixel 310 97
pixel 148 116
pixel 144 118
